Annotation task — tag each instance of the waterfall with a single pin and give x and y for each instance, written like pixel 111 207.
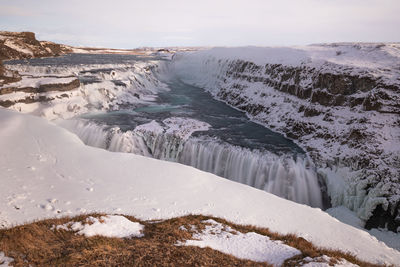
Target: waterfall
pixel 284 176
pixel 280 175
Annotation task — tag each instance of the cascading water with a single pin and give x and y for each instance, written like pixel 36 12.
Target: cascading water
pixel 157 115
pixel 281 176
pixel 284 176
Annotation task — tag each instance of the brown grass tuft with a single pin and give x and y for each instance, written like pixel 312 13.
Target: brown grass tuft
pixel 38 245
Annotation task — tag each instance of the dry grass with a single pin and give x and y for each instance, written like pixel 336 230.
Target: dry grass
pixel 38 245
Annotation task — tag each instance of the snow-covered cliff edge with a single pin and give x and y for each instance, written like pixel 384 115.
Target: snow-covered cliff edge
pixel 340 102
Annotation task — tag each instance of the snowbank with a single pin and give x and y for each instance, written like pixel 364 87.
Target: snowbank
pixel 45 171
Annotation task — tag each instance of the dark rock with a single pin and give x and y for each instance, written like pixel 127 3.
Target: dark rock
pixel 382 218
pixel 53 87
pixel 311 112
pixel 371 102
pixel 357 134
pixel 322 97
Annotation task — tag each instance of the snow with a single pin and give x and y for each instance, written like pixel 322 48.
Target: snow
pixel 372 57
pixel 250 246
pixel 4 261
pixel 179 127
pixel 325 261
pixel 89 50
pixel 36 82
pixel 46 171
pixel 345 215
pixel 388 237
pixel 184 127
pixel 13 45
pixel 153 127
pixel 108 226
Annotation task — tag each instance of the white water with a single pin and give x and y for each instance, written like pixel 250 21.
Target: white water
pixel 280 175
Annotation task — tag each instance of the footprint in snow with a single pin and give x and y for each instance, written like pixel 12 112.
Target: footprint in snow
pixel 52 200
pixel 47 207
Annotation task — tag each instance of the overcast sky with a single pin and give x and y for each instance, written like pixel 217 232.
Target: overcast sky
pixel 136 23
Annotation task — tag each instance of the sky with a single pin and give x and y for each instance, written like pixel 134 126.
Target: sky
pixel 160 23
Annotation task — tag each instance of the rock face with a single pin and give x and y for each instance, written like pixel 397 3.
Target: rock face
pixel 324 88
pixel 340 102
pixel 332 90
pixel 19 45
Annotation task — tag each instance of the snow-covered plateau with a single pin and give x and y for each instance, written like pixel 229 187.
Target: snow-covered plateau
pixel 338 102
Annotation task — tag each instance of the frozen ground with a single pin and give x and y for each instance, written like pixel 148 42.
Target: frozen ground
pixel 47 171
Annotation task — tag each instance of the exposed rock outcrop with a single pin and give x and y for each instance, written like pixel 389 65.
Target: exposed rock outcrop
pixel 22 45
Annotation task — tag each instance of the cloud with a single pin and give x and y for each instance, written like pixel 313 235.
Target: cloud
pixel 130 23
pixel 15 11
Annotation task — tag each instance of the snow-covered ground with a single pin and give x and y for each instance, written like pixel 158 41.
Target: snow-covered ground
pixel 46 171
pixel 251 246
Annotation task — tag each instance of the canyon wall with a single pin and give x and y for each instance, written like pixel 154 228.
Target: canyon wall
pixel 340 102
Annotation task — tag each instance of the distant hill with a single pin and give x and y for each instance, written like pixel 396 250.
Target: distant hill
pixel 19 45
